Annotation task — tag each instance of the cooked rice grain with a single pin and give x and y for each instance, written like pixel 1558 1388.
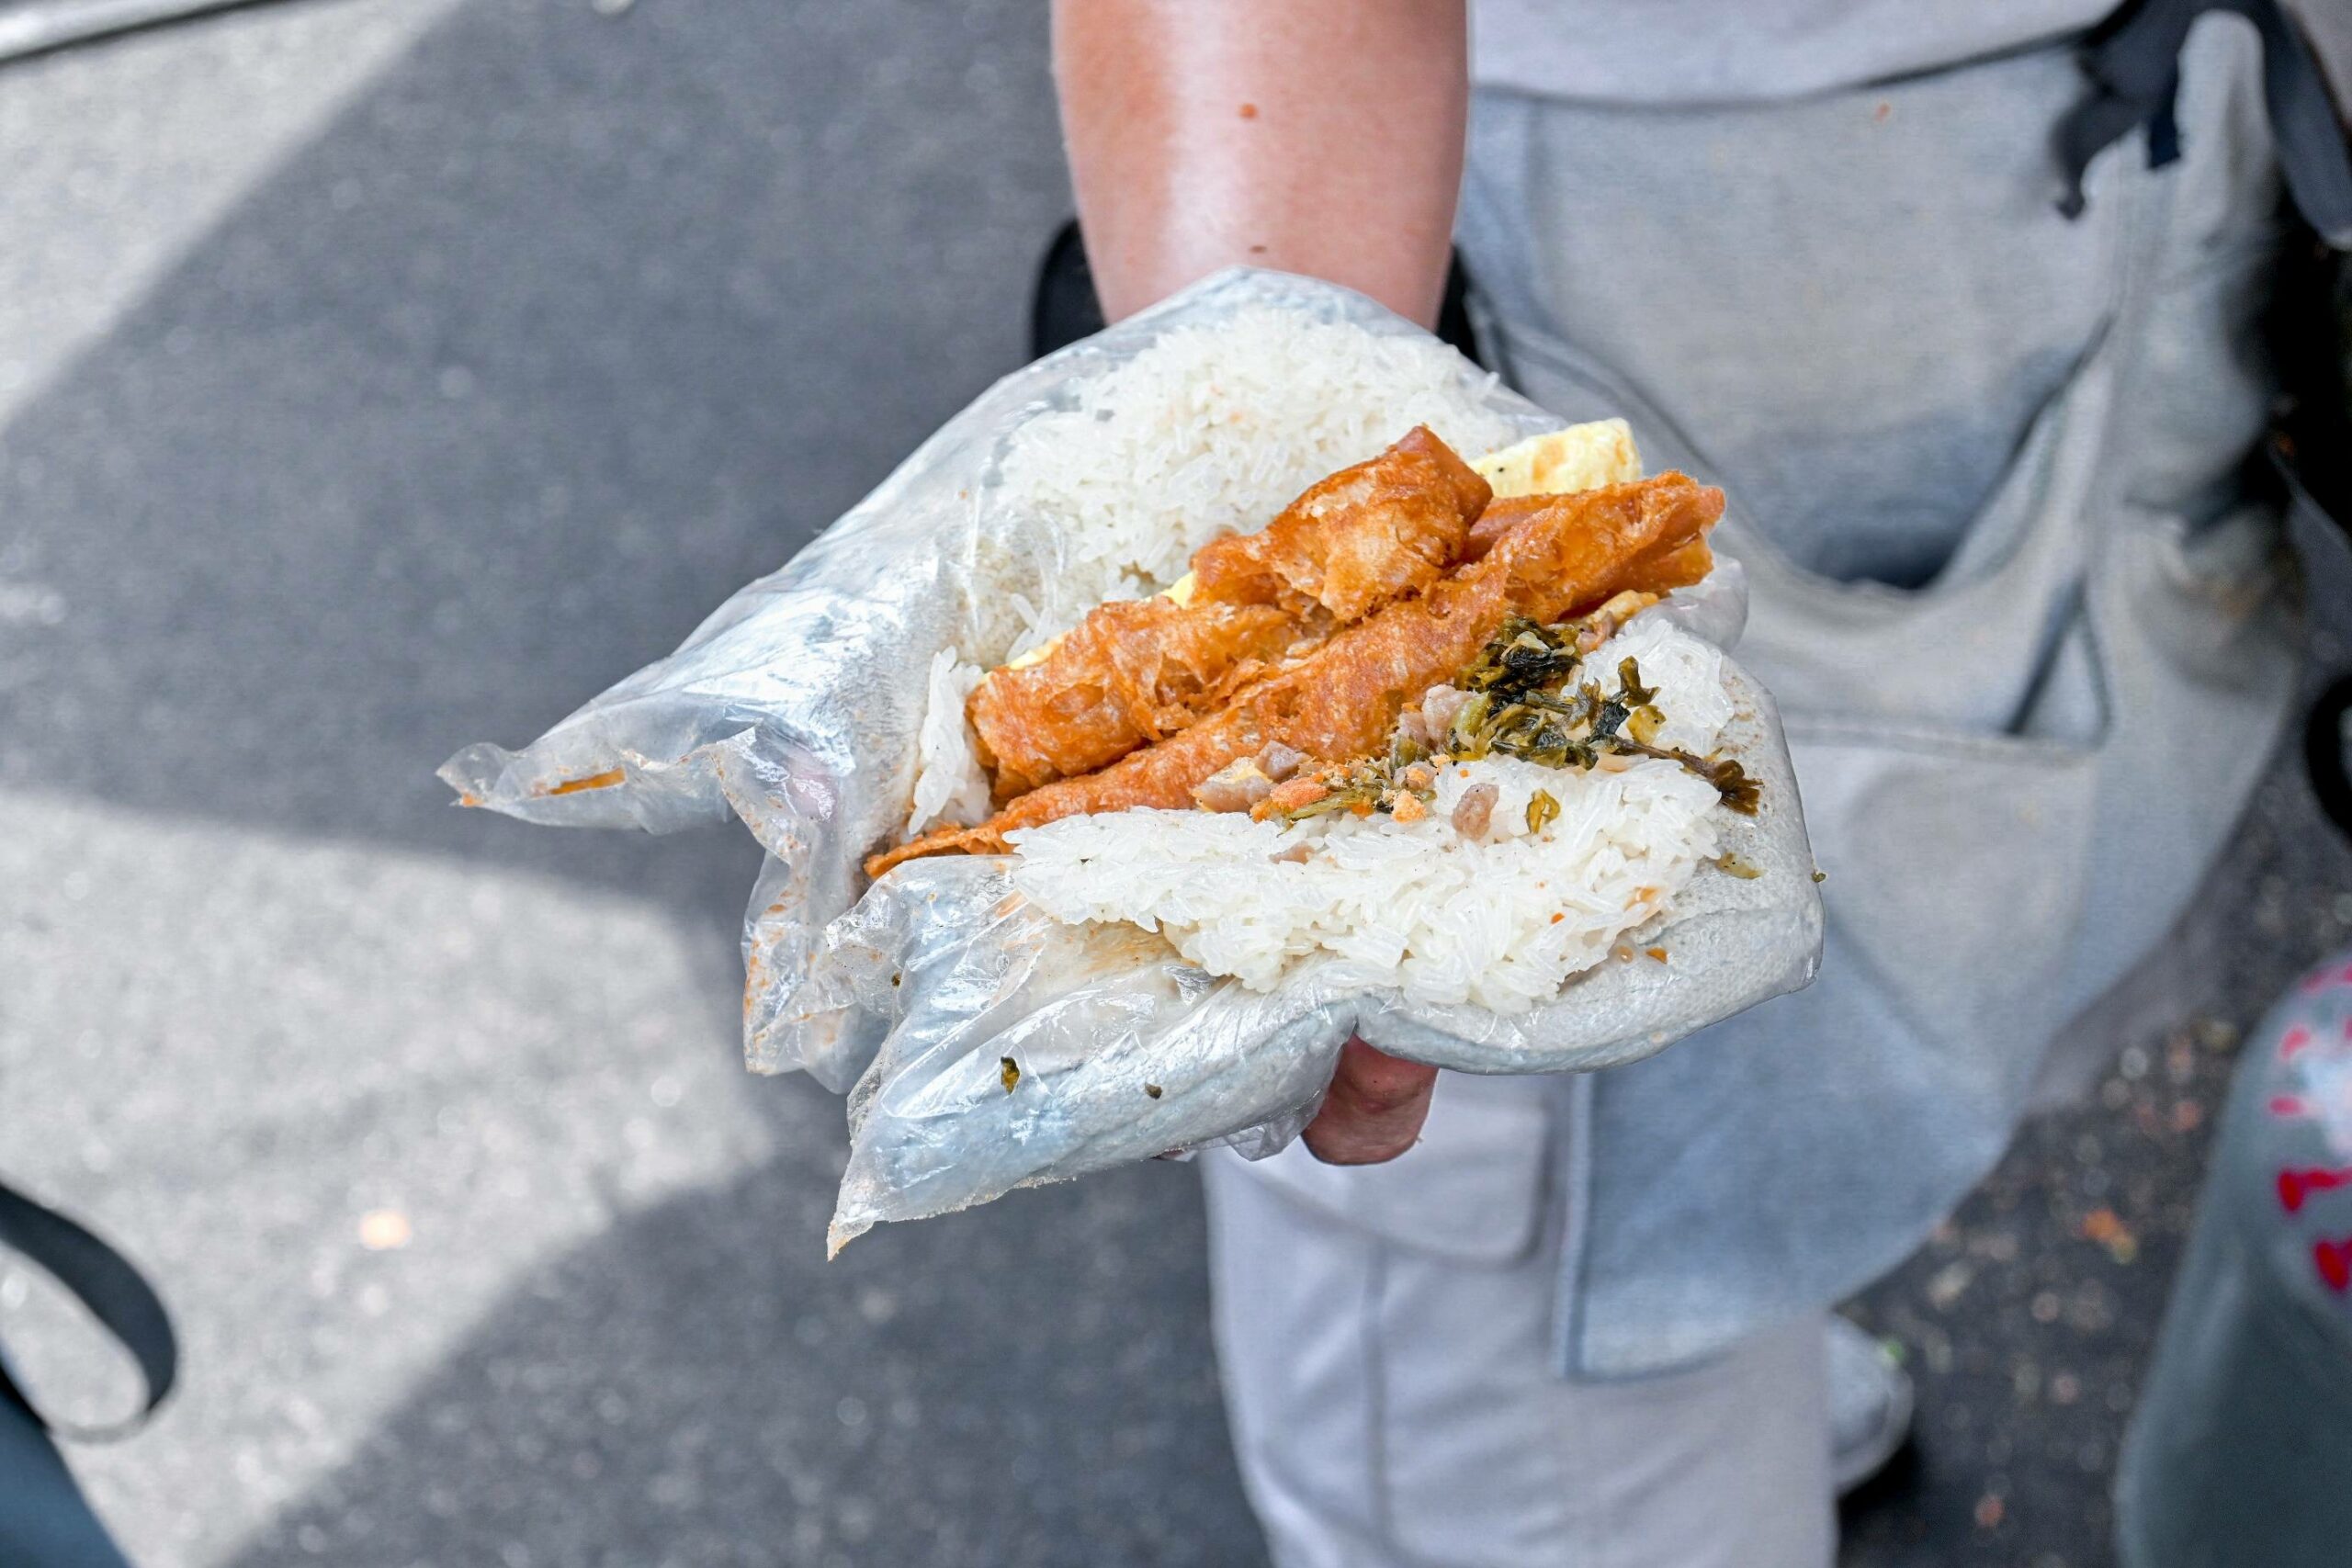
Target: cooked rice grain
pixel 1213 430
pixel 949 784
pixel 1500 920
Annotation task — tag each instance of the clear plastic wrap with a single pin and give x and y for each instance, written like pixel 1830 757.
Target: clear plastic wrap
pixel 989 1045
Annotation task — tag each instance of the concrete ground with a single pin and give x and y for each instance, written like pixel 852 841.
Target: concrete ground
pixel 2027 1318
pixel 377 376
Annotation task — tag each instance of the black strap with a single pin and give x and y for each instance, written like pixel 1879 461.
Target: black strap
pixel 107 1284
pixel 1064 308
pixel 2325 744
pixel 2134 63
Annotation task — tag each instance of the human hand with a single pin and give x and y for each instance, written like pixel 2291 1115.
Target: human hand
pixel 1374 1110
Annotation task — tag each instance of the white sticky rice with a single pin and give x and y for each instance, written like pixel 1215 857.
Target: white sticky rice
pixel 949 783
pixel 1500 920
pixel 1212 430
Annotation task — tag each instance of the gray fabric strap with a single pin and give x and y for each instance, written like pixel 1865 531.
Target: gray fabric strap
pixel 2134 63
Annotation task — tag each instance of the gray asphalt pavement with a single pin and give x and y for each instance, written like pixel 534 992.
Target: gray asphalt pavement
pixel 380 376
pixel 377 376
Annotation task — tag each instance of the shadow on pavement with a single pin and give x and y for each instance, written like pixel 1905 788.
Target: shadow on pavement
pixel 565 329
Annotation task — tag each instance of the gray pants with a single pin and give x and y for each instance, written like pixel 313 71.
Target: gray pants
pixel 1386 1336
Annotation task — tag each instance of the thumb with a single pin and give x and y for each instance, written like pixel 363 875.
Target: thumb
pixel 1374 1110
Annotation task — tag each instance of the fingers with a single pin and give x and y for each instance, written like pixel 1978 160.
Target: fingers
pixel 1374 1110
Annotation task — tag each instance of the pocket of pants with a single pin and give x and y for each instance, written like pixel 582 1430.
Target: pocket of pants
pixel 1471 1189
pixel 1956 863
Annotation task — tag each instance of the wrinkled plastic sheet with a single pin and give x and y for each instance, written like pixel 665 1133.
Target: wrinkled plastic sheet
pixel 985 1046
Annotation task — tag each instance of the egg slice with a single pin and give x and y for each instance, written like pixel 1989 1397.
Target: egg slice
pixel 1582 456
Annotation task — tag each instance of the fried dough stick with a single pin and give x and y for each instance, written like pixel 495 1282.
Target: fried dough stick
pixel 1340 701
pixel 1136 672
pixel 1364 538
pixel 1661 574
pixel 1131 672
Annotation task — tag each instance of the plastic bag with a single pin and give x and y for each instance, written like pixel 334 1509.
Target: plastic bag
pixel 990 1046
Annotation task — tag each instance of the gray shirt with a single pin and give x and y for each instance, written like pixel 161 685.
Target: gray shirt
pixel 1861 311
pixel 1696 52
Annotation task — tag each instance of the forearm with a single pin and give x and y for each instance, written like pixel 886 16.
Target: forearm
pixel 1316 136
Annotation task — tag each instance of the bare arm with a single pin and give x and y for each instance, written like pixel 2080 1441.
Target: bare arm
pixel 1316 136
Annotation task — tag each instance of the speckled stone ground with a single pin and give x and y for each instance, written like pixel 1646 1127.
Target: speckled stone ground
pixel 2028 1317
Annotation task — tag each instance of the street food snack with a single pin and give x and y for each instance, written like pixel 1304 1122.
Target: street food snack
pixel 1463 769
pixel 1508 836
pixel 1284 678
pixel 1134 672
pixel 1571 552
